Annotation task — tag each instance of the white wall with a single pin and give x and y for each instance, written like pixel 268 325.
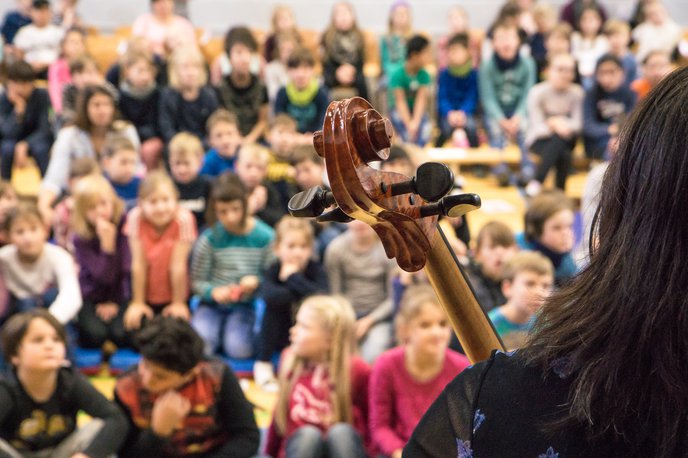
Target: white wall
pixel 218 15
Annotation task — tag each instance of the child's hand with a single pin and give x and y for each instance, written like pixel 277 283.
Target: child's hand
pixel 106 311
pixel 363 325
pixel 222 294
pixel 135 313
pixel 21 155
pixel 287 269
pixel 258 199
pixel 249 283
pixel 345 74
pixel 412 130
pixel 169 412
pixel 107 235
pixel 456 118
pixel 17 101
pixel 177 310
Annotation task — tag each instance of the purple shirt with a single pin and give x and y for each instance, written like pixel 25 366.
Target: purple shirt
pixel 398 401
pixel 104 277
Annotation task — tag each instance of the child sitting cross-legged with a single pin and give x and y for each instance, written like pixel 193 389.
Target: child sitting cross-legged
pixel 37 273
pixel 225 270
pixel 180 404
pixel 40 401
pixel 406 380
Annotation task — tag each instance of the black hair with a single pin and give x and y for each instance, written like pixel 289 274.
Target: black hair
pixel 40 4
pixel 20 72
pixel 458 39
pixel 608 58
pixel 171 343
pixel 16 327
pixel 240 35
pixel 227 188
pixel 620 326
pixel 301 56
pixel 416 45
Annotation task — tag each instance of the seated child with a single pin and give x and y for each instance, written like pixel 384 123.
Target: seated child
pixel 276 75
pixel 407 379
pixel 409 93
pixel 73 46
pixel 494 246
pixel 40 401
pixel 457 96
pixel 161 234
pixel 609 100
pixel 619 36
pixel 12 22
pixel 281 139
pixel 226 266
pixel 359 270
pixel 62 217
pixel 323 398
pixel 37 273
pixel 139 97
pixel 504 82
pixel 39 42
pixel 555 120
pixel 186 154
pixel 242 92
pixel 119 162
pixel 224 138
pixel 188 102
pixel 180 404
pixel 294 276
pixel 549 230
pixel 527 281
pixel 303 98
pixel 102 252
pixel 24 121
pixel 656 65
pixel 658 32
pixel 83 72
pixel 264 201
pixel 309 171
pixel 589 44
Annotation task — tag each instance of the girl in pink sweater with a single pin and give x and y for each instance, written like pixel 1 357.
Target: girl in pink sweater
pixel 406 380
pixel 322 403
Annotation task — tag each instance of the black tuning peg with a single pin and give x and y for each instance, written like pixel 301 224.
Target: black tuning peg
pixel 334 216
pixel 311 203
pixel 432 182
pixel 452 206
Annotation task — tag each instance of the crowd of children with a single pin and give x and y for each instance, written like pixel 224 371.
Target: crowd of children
pixel 165 186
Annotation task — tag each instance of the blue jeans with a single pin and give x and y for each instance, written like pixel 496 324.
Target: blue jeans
pixel 232 328
pixel 340 441
pixel 400 129
pixel 497 139
pixel 39 149
pixel 447 130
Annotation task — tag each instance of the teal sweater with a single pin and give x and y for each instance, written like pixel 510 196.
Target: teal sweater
pixel 221 258
pixel 504 94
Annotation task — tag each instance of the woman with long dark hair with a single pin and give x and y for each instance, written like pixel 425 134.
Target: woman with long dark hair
pixel 605 371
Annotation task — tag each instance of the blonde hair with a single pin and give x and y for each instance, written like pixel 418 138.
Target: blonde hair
pixel 614 26
pixel 527 261
pixel 185 54
pixel 184 145
pixel 412 302
pixel 292 224
pixel 254 151
pixel 154 181
pixel 221 115
pixel 86 194
pixel 279 10
pixel 338 320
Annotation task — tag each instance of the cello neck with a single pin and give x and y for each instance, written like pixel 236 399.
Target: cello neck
pixel 471 325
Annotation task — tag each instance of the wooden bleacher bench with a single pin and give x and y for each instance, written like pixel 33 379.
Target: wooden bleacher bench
pixel 484 155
